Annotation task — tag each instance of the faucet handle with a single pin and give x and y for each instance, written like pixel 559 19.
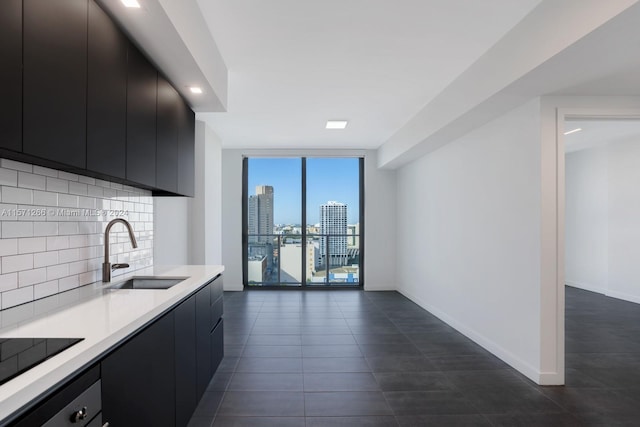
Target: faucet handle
pixel 116 266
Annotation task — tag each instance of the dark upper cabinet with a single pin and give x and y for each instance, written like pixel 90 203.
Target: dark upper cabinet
pixel 106 95
pixel 185 374
pixel 11 74
pixel 142 88
pixel 55 80
pixel 169 105
pixel 186 151
pixel 138 385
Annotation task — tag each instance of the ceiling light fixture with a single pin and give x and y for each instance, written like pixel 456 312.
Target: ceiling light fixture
pixel 131 3
pixel 195 89
pixel 573 131
pixel 336 124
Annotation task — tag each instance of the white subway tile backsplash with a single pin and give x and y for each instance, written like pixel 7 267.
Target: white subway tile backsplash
pixel 45 171
pixel 17 297
pixel 8 281
pixel 57 271
pixel 68 176
pixel 45 229
pixel 57 185
pixel 45 259
pixel 52 230
pixel 65 228
pixel 17 195
pixel 68 255
pixel 17 263
pixel 32 244
pixel 87 180
pixel 12 164
pixel 55 243
pixel 31 277
pixel 8 177
pixel 8 247
pixel 29 180
pixel 68 201
pixel 45 289
pixel 12 229
pixel 78 188
pixel 43 198
pixel 67 283
pixel 78 267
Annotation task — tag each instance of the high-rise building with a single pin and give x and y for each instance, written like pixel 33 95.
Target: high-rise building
pixel 260 215
pixel 333 222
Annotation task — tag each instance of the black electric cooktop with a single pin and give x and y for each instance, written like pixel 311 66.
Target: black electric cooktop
pixel 18 355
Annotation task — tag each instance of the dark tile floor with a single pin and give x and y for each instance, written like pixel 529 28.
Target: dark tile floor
pixel 354 358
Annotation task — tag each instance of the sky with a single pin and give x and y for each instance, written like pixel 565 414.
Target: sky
pixel 335 179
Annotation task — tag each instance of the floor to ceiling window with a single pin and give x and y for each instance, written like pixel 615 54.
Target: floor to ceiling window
pixel 302 222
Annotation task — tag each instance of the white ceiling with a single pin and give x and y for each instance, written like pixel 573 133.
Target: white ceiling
pixel 294 64
pixel 598 133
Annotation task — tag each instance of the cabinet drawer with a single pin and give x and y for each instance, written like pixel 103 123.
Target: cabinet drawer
pixel 216 312
pixel 90 401
pixel 217 346
pixel 216 289
pixel 97 421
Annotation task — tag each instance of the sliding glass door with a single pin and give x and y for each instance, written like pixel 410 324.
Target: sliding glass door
pixel 302 222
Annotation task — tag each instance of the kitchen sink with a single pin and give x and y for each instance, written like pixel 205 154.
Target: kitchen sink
pixel 148 283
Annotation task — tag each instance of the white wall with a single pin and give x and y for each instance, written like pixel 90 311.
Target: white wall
pixel 380 215
pixel 602 227
pixel 586 221
pixel 469 226
pixel 188 230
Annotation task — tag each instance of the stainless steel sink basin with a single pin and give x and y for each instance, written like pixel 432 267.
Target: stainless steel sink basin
pixel 148 283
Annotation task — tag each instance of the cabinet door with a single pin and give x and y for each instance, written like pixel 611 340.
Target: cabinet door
pixel 55 80
pixel 169 102
pixel 107 95
pixel 11 74
pixel 141 119
pixel 217 346
pixel 185 341
pixel 186 152
pixel 138 385
pixel 203 341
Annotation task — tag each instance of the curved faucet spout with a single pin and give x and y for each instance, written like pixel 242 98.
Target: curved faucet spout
pixel 106 266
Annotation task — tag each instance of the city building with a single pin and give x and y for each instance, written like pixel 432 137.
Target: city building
pixel 260 215
pixel 333 228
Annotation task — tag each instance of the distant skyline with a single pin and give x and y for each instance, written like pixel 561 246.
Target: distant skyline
pixel 328 179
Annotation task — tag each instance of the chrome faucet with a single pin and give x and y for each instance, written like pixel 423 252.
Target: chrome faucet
pixel 106 266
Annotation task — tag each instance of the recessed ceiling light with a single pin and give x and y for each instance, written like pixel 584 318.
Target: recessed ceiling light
pixel 131 3
pixel 573 131
pixel 336 124
pixel 195 89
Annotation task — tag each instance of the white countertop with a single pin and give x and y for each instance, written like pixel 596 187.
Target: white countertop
pixel 103 317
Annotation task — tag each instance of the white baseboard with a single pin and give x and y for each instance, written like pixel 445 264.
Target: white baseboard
pixel 546 378
pixel 232 287
pixel 586 287
pixel 380 287
pixel 623 296
pixel 604 291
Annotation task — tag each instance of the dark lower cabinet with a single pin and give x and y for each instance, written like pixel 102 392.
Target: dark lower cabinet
pixel 217 345
pixel 55 80
pixel 106 95
pixel 11 74
pixel 141 119
pixel 186 374
pixel 203 341
pixel 138 385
